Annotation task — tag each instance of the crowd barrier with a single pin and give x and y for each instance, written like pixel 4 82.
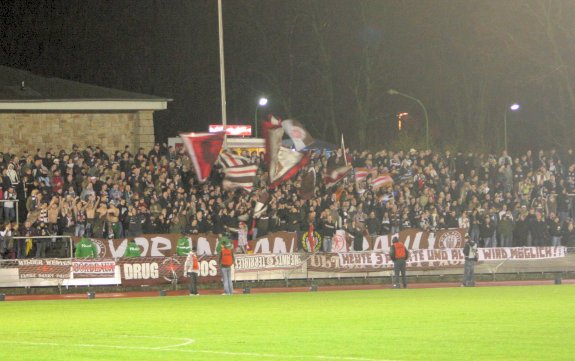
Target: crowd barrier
pixel 148 271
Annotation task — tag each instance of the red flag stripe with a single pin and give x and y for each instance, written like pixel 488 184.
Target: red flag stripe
pixel 203 149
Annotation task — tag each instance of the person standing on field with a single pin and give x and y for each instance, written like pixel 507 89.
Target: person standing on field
pixel 192 269
pixel 399 255
pixel 226 260
pixel 470 253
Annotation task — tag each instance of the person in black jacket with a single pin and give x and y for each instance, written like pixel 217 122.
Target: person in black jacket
pixel 470 253
pixel 538 229
pixel 555 230
pixel 487 233
pixel 355 231
pixel 520 231
pixel 327 227
pixel 293 220
pixel 373 224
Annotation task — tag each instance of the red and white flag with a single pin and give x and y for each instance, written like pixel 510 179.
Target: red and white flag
pixel 286 164
pixel 242 176
pixel 382 180
pixel 203 149
pixel 229 159
pixel 361 174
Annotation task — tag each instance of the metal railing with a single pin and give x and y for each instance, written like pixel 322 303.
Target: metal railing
pixel 67 241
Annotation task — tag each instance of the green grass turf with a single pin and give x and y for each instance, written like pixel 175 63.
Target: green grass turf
pixel 484 323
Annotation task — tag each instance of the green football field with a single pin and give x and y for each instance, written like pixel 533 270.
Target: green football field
pixel 484 323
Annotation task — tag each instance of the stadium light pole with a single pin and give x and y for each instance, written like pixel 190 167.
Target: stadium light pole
pixel 513 107
pixel 261 103
pixel 222 70
pixel 395 92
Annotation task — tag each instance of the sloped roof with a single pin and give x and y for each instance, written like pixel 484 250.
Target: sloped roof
pixel 22 86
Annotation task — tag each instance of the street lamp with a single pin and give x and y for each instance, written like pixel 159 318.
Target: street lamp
pixel 395 92
pixel 513 107
pixel 261 103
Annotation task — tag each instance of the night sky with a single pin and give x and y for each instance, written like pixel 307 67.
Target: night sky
pixel 327 63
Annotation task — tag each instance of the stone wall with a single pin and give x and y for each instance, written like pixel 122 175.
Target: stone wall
pixel 111 131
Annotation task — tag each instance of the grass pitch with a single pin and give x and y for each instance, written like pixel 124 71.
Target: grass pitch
pixel 485 323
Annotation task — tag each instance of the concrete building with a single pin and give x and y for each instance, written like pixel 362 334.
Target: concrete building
pixel 52 113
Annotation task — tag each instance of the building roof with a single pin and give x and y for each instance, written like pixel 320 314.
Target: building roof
pixel 22 90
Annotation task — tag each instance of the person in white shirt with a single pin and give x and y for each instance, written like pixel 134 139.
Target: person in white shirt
pixel 9 206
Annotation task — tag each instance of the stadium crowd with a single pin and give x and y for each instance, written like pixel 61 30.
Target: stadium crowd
pixel 503 201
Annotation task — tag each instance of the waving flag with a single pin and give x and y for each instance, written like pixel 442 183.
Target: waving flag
pixel 273 133
pixel 229 159
pixel 287 164
pixel 361 174
pixel 382 180
pixel 334 175
pixel 261 203
pixel 203 149
pixel 241 176
pixel 283 163
pixel 364 175
pixel 295 130
pixel 238 171
pixel 307 189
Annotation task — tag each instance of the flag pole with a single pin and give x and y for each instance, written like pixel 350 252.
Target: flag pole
pixel 343 149
pixel 222 70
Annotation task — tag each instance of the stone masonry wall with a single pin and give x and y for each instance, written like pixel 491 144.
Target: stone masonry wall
pixel 111 131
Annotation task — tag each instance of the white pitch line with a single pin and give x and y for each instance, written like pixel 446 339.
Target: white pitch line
pixel 165 348
pixel 187 342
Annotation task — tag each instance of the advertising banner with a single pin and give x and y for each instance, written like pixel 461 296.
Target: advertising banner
pixel 412 238
pixel 44 268
pixel 140 271
pixel 164 245
pixel 267 262
pixel 424 258
pixel 91 268
pixel 277 242
pixel 417 239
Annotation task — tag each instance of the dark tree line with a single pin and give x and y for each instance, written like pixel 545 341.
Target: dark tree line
pixel 328 63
